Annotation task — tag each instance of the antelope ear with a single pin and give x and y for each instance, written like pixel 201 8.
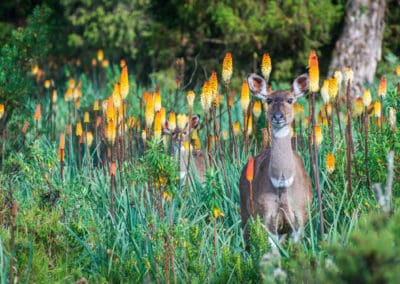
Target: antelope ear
pixel 258 86
pixel 300 85
pixel 194 121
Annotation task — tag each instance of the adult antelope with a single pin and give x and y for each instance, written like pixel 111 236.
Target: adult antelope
pixel 281 186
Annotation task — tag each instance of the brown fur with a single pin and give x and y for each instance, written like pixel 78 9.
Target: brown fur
pixel 284 209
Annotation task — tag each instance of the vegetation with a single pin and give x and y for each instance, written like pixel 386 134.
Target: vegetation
pixel 90 187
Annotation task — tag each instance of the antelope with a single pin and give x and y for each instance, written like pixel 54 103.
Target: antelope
pixel 198 157
pixel 281 186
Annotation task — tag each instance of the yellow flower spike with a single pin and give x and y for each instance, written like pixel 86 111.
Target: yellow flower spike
pixel 250 125
pixel 78 130
pixel 96 105
pixel 382 87
pixel 38 114
pixel 78 103
pixel 339 77
pixel 111 113
pixel 116 95
pixel 182 121
pixel 190 98
pixel 214 84
pixel 54 96
pixel 157 101
pixel 122 63
pixel 236 128
pixel 313 72
pixel 47 84
pixel 225 135
pixel 358 107
pixel 172 121
pixel 245 96
pixel 100 55
pixel 318 134
pixel 197 143
pixel 227 68
pixel 325 91
pixel 111 132
pixel 157 125
pixel 329 108
pixel 94 62
pixel 144 135
pixel 86 118
pixel 266 66
pixel 348 75
pixel 104 63
pixel 89 138
pixel 217 212
pixel 206 96
pixel 257 109
pixel 1 110
pixel 398 70
pixel 35 69
pixel 76 93
pixel 330 163
pixel 333 88
pixel 68 95
pixel 163 115
pixel 366 99
pixel 71 83
pixel 124 81
pixel 149 112
pixel 377 109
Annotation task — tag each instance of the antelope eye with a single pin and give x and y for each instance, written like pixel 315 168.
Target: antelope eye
pixel 269 101
pixel 290 101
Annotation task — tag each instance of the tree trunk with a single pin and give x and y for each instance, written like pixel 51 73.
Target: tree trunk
pixel 360 44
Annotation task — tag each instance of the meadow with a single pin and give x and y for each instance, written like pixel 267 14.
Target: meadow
pixel 91 190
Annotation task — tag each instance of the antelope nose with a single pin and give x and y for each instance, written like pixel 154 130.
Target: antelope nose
pixel 278 115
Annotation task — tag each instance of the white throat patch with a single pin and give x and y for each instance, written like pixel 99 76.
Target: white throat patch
pixel 280 183
pixel 282 132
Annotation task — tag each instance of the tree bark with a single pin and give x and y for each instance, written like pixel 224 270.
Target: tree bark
pixel 360 44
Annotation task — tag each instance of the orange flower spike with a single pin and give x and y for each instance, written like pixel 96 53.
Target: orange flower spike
pixel 245 98
pixel 110 109
pixel 206 96
pixel 214 84
pixel 116 95
pixel 358 106
pixel 318 134
pixel 398 71
pixel 124 81
pixel 330 163
pixel 250 170
pixel 382 87
pixel 38 115
pixel 172 121
pixel 313 72
pixel 149 112
pixel 62 141
pixel 1 110
pixel 111 132
pixel 266 66
pixel 257 109
pixel 163 115
pixel 227 68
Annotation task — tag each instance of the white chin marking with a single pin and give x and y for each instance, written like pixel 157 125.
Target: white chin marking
pixel 281 132
pixel 281 183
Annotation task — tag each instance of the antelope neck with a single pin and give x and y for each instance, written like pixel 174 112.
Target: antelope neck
pixel 282 164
